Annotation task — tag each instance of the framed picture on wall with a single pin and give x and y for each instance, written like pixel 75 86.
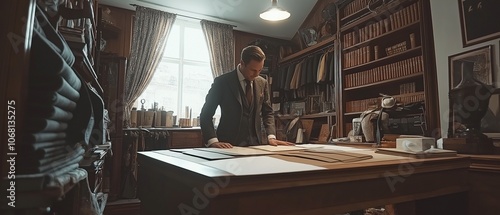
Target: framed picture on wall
pixel 490 124
pixel 476 20
pixel 482 59
pixel 309 36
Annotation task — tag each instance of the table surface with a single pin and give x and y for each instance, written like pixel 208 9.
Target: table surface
pixel 331 187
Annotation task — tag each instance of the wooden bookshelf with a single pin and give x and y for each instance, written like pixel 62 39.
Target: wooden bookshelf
pixel 385 52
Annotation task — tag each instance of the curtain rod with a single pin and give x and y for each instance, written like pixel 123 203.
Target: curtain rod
pixel 191 17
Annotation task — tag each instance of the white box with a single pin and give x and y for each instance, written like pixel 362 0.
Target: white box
pixel 415 144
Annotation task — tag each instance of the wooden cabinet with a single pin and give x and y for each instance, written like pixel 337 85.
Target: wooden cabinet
pixel 386 48
pixel 318 128
pixel 112 79
pixel 185 138
pixel 484 174
pixel 303 86
pixel 379 47
pixel 147 139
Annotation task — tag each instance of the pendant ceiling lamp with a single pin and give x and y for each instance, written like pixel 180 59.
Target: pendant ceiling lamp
pixel 275 13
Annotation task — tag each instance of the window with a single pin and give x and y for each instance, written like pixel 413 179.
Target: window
pixel 183 76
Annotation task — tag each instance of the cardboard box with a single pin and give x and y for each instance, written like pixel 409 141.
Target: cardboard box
pixel 415 144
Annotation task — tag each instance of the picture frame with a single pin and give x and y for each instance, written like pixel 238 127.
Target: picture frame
pixel 309 36
pixel 476 20
pixel 482 58
pixel 490 124
pixel 314 104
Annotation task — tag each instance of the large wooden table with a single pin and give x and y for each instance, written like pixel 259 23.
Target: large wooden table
pixel 174 183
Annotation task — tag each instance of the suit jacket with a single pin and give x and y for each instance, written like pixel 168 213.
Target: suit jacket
pixel 225 92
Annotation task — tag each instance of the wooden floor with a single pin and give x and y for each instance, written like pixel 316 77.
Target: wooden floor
pixel 123 207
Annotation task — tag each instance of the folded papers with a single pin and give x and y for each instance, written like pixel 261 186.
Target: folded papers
pixel 320 154
pixel 431 153
pixel 330 155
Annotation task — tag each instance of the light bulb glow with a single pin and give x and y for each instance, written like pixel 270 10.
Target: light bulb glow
pixel 275 14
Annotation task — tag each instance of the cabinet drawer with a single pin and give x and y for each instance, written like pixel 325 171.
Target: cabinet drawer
pixel 185 139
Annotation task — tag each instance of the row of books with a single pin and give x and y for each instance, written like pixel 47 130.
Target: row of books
pixel 395 49
pixel 72 34
pixel 405 16
pixel 367 32
pixel 362 105
pixel 390 71
pixel 359 56
pixel 410 98
pixel 401 18
pixel 78 22
pixel 374 103
pixel 366 54
pixel 407 88
pixel 354 7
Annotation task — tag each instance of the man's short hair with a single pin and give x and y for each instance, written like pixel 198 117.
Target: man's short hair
pixel 252 53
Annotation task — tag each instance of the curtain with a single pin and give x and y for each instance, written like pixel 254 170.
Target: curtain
pixel 150 32
pixel 220 41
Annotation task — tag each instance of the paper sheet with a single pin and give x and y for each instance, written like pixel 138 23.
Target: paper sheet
pixel 277 148
pixel 237 150
pixel 257 165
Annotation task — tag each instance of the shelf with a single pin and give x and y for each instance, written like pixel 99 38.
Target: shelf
pixel 365 34
pixel 365 15
pixel 360 44
pixel 415 51
pixel 353 114
pixel 318 115
pixel 309 116
pixel 109 31
pixel 360 13
pixel 318 46
pixel 401 100
pixel 388 81
pixel 357 114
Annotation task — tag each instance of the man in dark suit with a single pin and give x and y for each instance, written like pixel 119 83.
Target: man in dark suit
pixel 244 99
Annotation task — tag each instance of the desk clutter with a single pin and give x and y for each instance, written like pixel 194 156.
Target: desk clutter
pixel 417 147
pixel 307 151
pixel 160 118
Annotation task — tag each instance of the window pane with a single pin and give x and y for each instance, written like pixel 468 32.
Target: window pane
pixel 183 76
pixel 163 88
pixel 173 42
pixel 196 82
pixel 195 47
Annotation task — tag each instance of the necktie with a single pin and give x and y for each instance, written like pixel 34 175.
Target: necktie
pixel 248 91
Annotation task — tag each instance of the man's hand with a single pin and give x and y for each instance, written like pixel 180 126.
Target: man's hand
pixel 221 145
pixel 275 142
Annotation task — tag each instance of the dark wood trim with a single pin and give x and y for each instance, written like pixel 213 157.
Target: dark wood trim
pixel 16 34
pixel 432 112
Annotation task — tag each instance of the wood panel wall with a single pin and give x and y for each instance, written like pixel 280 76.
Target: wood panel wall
pixel 314 20
pixel 124 20
pixel 242 39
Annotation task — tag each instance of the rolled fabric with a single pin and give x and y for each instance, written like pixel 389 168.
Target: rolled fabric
pixel 56 84
pixel 45 125
pixel 49 98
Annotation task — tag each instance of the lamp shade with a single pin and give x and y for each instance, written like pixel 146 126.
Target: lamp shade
pixel 275 13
